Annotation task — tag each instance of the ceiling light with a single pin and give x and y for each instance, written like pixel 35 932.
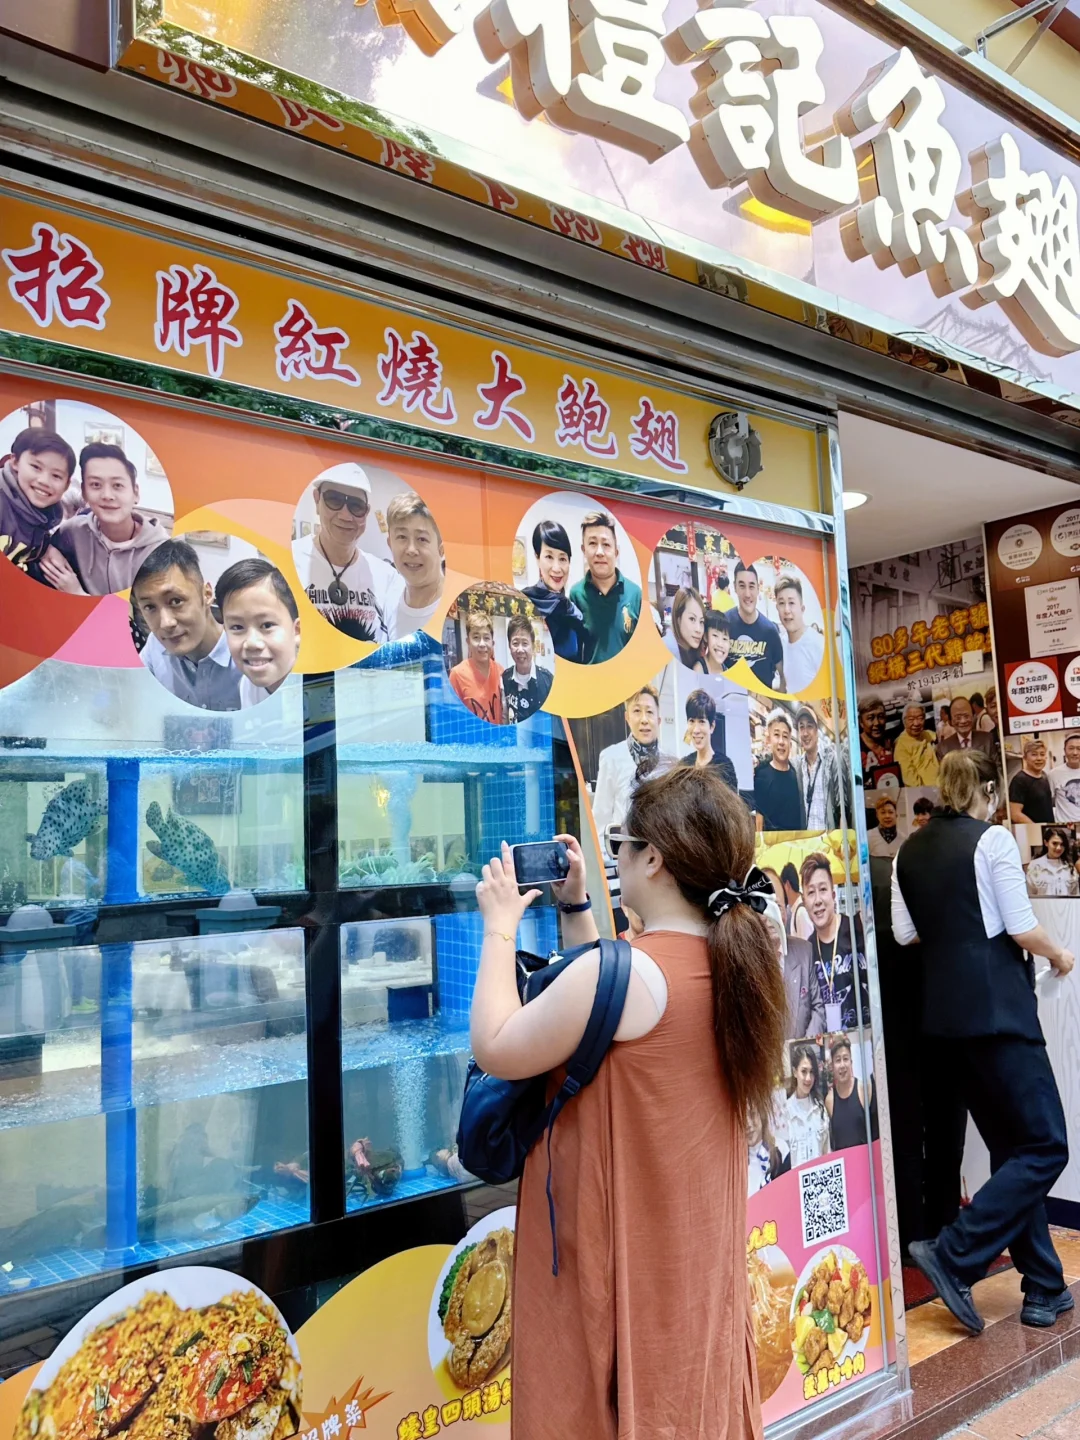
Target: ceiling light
pixel 854 498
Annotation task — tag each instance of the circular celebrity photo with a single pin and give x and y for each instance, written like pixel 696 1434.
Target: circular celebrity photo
pixel 83 498
pixel 498 654
pixel 581 576
pixel 214 621
pixel 787 600
pixel 172 1354
pixel 368 553
pixel 691 590
pixel 469 1320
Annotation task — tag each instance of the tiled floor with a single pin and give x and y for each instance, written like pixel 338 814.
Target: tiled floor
pixel 931 1328
pixel 1047 1410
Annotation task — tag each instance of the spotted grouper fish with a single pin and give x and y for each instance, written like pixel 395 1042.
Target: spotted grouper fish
pixel 69 817
pixel 186 848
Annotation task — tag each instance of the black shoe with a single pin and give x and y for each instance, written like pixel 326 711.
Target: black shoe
pixel 1042 1310
pixel 956 1295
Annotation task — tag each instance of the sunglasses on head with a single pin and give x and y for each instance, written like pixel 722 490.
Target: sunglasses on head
pixel 616 838
pixel 335 499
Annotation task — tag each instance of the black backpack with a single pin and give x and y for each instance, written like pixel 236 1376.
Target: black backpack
pixel 501 1120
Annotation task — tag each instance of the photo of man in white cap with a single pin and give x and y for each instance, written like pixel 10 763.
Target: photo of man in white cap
pixel 350 588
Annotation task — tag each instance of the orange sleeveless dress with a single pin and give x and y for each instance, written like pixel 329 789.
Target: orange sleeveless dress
pixel 646 1333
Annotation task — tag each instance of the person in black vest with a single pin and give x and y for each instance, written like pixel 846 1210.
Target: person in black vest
pixel 958 887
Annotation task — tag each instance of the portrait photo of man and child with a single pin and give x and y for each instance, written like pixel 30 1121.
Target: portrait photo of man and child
pixel 577 566
pixel 83 498
pixel 215 622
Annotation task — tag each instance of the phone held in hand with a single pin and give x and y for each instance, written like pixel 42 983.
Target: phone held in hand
pixel 545 862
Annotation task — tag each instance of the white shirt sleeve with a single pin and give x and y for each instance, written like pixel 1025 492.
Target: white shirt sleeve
pixel 1003 894
pixel 903 926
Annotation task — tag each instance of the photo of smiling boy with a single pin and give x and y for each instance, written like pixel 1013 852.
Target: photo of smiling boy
pixel 566 625
pixel 187 651
pixel 32 480
pixel 420 562
pixel 100 552
pixel 717 642
pixel 477 681
pixel 262 626
pixel 526 685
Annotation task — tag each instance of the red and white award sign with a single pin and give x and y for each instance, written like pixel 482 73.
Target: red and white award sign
pixel 1033 694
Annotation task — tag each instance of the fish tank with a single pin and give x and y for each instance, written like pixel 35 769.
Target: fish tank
pixel 157 919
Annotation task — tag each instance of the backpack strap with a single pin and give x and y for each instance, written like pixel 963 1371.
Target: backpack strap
pixel 611 987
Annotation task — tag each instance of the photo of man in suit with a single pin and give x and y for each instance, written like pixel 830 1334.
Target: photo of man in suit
pixel 966 737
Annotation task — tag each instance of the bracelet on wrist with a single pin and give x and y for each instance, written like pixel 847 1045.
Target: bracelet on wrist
pixel 564 909
pixel 498 935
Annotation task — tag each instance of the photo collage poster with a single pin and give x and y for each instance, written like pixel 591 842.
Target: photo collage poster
pixel 653 640
pixel 1034 572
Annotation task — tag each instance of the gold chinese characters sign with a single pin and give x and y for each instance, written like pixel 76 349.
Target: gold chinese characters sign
pixel 145 294
pixel 768 155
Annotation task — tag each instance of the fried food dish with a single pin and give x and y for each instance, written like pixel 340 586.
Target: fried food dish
pixel 156 1372
pixel 770 1299
pixel 477 1321
pixel 833 1307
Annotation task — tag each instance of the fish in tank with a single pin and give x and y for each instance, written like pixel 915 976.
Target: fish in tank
pixel 187 848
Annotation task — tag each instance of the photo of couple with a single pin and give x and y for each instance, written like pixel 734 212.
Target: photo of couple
pixel 83 500
pixel 492 646
pixel 586 588
pixel 798 775
pixel 373 582
pixel 713 610
pixel 218 639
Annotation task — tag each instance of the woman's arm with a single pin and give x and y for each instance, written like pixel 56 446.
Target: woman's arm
pixel 903 926
pixel 579 928
pixel 510 1040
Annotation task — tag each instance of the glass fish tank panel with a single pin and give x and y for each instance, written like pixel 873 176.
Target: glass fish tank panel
pixel 53 832
pixel 404 1065
pixel 52 1201
pixel 114 791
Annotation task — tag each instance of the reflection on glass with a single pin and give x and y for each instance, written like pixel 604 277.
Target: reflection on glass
pixel 152 1099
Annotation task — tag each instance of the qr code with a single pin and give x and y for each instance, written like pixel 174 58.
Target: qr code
pixel 823 1202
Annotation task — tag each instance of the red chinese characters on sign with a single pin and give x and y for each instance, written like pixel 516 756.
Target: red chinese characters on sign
pixel 413 374
pixel 407 161
pixel 499 197
pixel 575 226
pixel 583 417
pixel 57 278
pixel 195 77
pixel 645 252
pixel 656 436
pixel 193 308
pixel 299 116
pixel 303 351
pixel 497 394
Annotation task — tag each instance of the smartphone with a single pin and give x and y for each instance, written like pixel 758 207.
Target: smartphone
pixel 545 862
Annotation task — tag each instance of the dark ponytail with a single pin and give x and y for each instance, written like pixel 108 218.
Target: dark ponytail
pixel 706 835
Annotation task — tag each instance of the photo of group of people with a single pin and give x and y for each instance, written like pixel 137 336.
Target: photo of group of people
pixel 581 576
pixel 498 654
pixel 801 781
pixel 214 621
pixel 1043 776
pixel 372 581
pixel 713 609
pixel 83 499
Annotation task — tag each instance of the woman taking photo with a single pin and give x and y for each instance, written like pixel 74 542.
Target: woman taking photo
pixel 958 888
pixel 1051 874
pixel 686 638
pixel 807 1119
pixel 646 1331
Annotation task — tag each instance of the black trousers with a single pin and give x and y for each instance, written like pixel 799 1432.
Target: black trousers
pixel 1010 1091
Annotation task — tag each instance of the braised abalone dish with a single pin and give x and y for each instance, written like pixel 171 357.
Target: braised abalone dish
pixel 159 1372
pixel 475 1309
